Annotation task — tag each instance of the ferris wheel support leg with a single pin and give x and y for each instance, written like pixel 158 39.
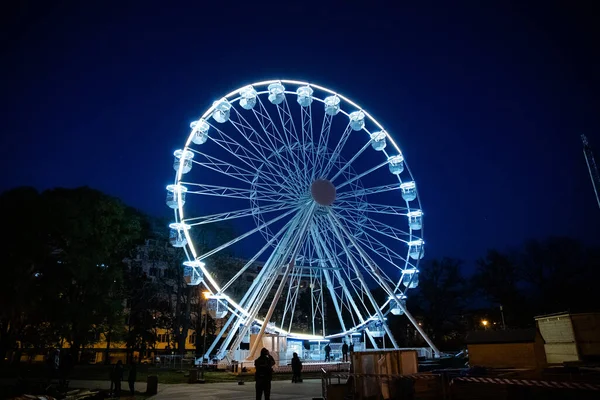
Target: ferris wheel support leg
pixel 422 333
pixel 262 292
pixel 298 242
pixel 338 310
pixel 385 286
pixel 219 336
pixel 359 275
pixel 257 301
pixel 328 280
pixel 337 274
pixel 250 293
pixel 320 244
pixel 249 298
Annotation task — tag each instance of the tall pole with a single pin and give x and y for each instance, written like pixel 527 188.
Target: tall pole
pixel 205 334
pixel 502 313
pixel 592 167
pixel 204 354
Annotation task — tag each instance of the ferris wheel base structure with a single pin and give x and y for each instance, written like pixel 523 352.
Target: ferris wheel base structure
pixel 334 214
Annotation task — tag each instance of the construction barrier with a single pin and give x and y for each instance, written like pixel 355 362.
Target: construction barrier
pixel 466 388
pixel 526 382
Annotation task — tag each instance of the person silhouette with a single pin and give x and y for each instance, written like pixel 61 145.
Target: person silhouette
pixel 345 352
pixel 264 374
pixel 296 369
pixel 327 352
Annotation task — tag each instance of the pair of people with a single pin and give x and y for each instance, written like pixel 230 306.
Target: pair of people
pixel 345 350
pixel 116 376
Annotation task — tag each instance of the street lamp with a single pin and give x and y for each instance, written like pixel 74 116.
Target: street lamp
pixel 206 295
pixel 502 313
pixel 485 323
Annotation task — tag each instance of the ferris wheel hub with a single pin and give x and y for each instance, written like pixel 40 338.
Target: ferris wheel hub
pixel 323 192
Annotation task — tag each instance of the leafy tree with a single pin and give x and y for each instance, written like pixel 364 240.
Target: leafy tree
pixel 89 234
pixel 142 305
pixel 23 252
pixel 498 279
pixel 555 271
pixel 63 266
pixel 441 298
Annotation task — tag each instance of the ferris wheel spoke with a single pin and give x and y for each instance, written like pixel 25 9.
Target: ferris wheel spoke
pixel 367 172
pixel 381 228
pixel 355 206
pixel 314 298
pixel 359 252
pixel 272 156
pixel 332 261
pixel 234 193
pixel 289 130
pixel 367 191
pixel 245 235
pixel 342 236
pixel 225 216
pixel 377 272
pixel 385 252
pixel 328 279
pixel 252 136
pixel 292 298
pixel 323 144
pixel 345 166
pixel 233 147
pixel 341 231
pixel 307 135
pixel 240 152
pixel 272 144
pixel 296 243
pixel 252 260
pixel 336 152
pixel 270 129
pixel 271 270
pixel 235 172
pixel 347 297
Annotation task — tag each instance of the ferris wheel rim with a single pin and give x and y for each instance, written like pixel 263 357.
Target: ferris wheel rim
pixel 179 212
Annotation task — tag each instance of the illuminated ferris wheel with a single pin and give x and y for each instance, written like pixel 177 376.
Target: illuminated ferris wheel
pixel 326 204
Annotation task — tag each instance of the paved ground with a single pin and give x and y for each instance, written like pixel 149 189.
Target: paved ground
pixel 280 390
pixel 139 386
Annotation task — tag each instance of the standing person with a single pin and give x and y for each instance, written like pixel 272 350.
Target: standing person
pixel 296 369
pixel 51 365
pixel 327 352
pixel 111 376
pixel 132 377
pixel 118 377
pixel 351 348
pixel 65 366
pixel 264 374
pixel 345 352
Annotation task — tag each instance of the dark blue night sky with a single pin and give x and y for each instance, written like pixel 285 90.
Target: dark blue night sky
pixel 487 102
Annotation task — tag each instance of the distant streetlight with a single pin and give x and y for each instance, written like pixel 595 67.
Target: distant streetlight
pixel 485 323
pixel 502 313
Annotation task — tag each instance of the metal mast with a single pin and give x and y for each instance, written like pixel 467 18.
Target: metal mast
pixel 592 167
